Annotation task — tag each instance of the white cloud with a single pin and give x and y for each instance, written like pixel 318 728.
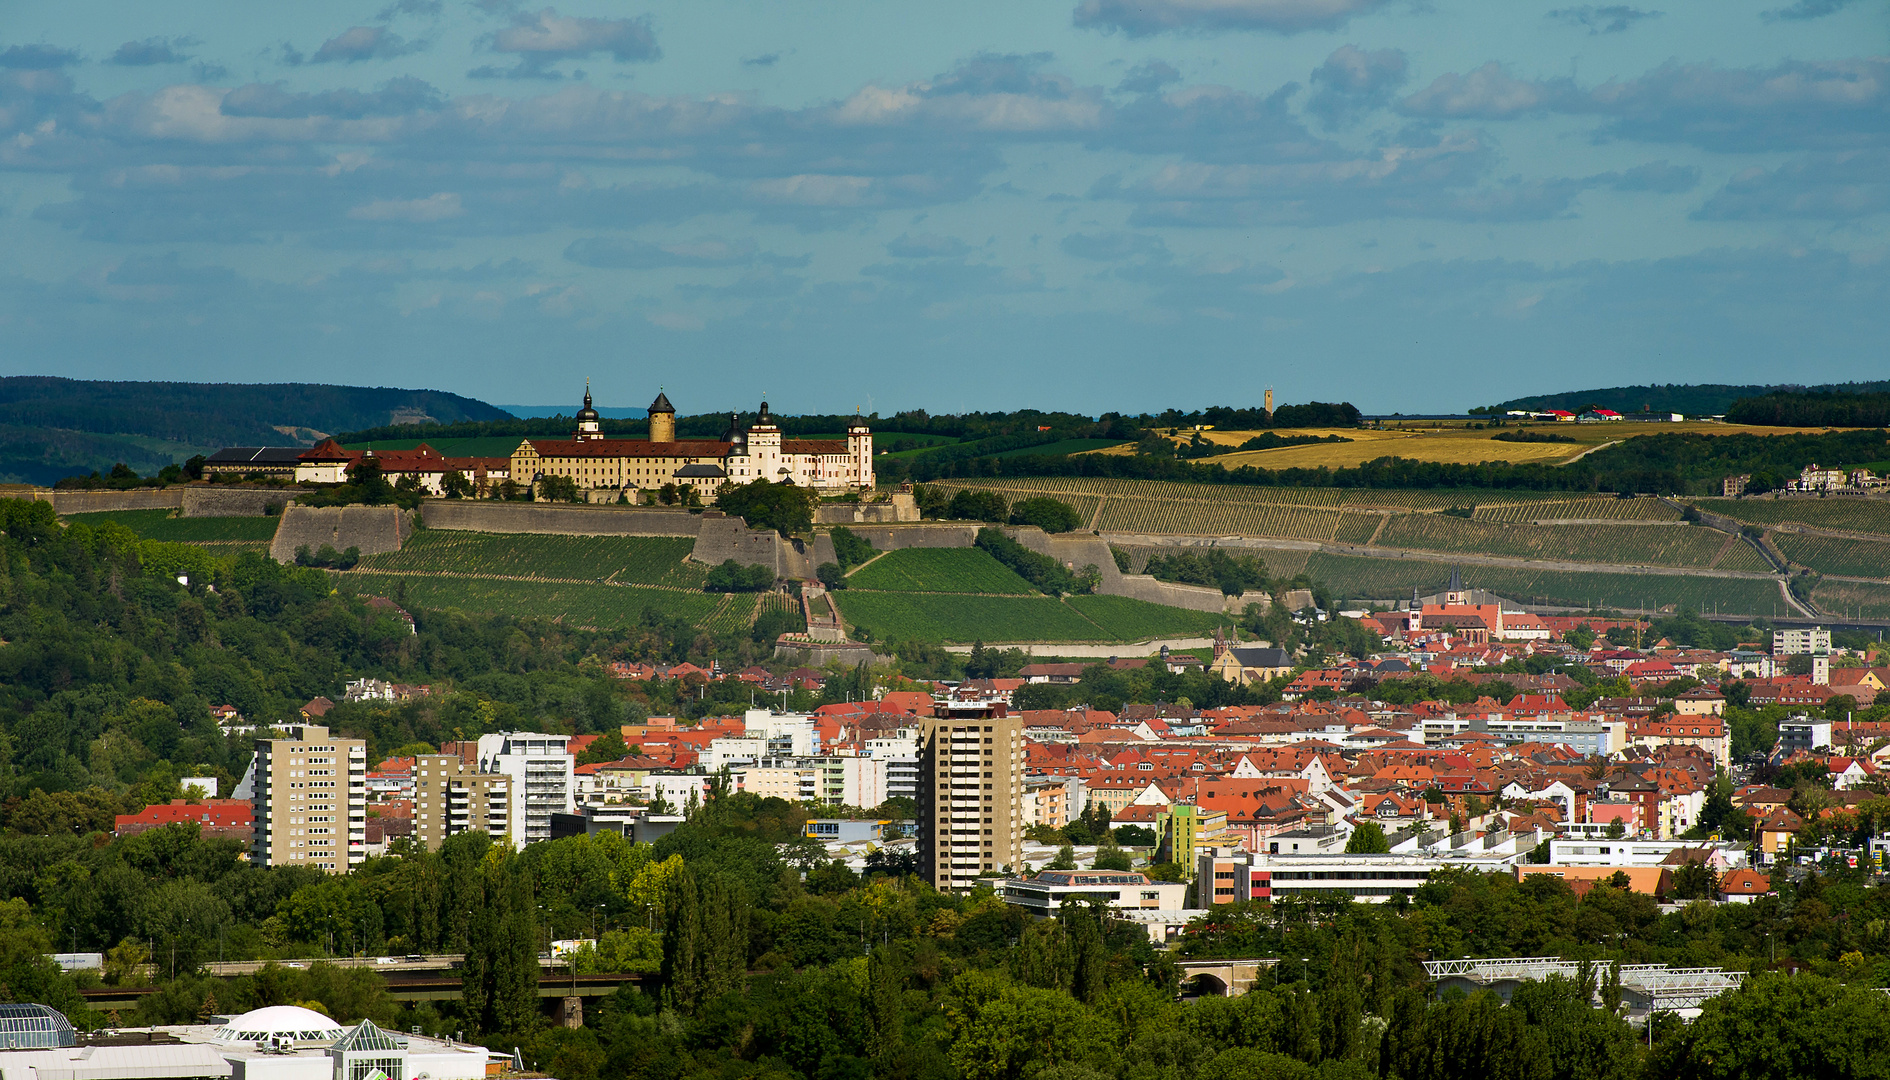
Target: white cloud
pixel 1140 18
pixel 1488 93
pixel 435 207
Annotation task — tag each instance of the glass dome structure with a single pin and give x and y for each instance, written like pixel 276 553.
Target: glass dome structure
pixel 24 1027
pixel 290 1022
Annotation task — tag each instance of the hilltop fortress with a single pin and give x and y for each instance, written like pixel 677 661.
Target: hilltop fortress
pixel 742 455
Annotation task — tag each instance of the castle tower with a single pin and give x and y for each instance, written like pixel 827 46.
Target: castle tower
pixel 588 425
pixel 859 453
pixel 662 419
pixel 1269 403
pixel 764 447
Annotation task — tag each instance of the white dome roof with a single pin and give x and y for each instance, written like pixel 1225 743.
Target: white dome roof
pixel 292 1021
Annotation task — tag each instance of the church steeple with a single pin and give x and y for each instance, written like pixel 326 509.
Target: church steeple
pixel 588 425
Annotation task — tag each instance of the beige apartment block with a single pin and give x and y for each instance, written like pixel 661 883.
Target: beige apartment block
pixel 971 798
pixel 449 799
pixel 310 801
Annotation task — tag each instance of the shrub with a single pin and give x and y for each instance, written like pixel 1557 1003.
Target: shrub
pixel 732 576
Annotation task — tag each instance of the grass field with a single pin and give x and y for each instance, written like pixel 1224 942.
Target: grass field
pixel 936 617
pixel 599 606
pixel 641 560
pixel 160 525
pixel 1392 579
pixel 1837 555
pixel 954 570
pixel 964 619
pixel 1853 598
pixel 1067 446
pixel 1652 545
pixel 1850 515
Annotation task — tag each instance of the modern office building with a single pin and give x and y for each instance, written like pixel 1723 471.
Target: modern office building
pixel 543 783
pixel 971 795
pixel 449 799
pixel 309 799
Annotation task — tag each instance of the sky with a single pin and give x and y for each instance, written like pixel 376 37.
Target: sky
pixel 1413 205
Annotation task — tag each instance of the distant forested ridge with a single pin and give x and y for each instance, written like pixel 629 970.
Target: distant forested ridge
pixel 52 427
pixel 1813 408
pixel 1702 399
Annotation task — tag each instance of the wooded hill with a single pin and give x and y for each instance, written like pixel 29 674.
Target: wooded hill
pixel 1701 399
pixel 52 428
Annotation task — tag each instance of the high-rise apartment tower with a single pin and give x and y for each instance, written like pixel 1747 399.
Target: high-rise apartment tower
pixel 310 801
pixel 971 794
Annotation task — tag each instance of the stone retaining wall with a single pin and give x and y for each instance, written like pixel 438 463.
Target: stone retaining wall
pixel 1079 550
pixel 373 529
pixel 222 501
pixel 518 517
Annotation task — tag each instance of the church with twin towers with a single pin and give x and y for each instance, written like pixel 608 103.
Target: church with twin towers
pixel 604 468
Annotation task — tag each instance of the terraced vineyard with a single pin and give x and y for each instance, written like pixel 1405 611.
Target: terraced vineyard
pixel 1848 514
pixel 940 570
pixel 160 525
pixel 1357 578
pixel 1836 555
pixel 1357 528
pixel 1283 520
pixel 1652 545
pixel 735 612
pixel 642 560
pixel 775 601
pixel 1852 598
pixel 1738 555
pixel 964 619
pixel 1126 619
pixel 1065 487
pixel 1595 509
pixel 598 606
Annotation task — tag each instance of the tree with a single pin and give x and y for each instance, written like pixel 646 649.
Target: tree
pixel 1695 881
pixel 606 747
pixel 832 578
pixel 1050 515
pixel 1367 838
pixel 850 549
pixel 783 507
pixel 1580 636
pixel 557 489
pixel 1065 860
pixel 732 576
pixel 1111 857
pixel 455 485
pixel 971 504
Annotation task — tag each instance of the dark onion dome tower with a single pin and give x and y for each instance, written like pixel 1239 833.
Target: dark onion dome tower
pixel 588 426
pixel 662 419
pixel 736 436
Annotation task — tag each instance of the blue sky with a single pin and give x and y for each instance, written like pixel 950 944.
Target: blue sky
pixel 1082 204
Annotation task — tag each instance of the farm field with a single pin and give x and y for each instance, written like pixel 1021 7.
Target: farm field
pixel 599 606
pixel 1653 545
pixel 964 619
pixel 1458 447
pixel 1384 580
pixel 1837 555
pixel 1848 514
pixel 1853 598
pixel 160 525
pixel 953 570
pixel 640 560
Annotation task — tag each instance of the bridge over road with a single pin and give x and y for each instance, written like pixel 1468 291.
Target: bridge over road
pixel 1223 978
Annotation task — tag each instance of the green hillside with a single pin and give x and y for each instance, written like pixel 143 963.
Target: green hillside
pixel 160 525
pixel 52 428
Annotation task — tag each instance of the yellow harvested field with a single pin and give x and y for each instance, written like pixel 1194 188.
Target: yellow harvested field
pixel 1444 441
pixel 1461 447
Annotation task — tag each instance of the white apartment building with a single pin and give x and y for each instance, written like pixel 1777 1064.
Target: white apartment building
pixel 542 782
pixel 1815 640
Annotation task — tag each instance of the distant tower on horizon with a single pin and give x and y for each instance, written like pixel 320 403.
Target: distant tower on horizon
pixel 588 427
pixel 1269 403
